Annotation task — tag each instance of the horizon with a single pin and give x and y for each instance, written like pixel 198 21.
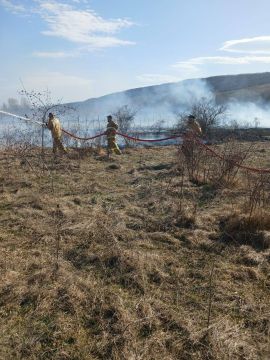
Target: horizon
pixel 158 84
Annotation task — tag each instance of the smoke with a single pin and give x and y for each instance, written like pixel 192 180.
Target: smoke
pixel 151 103
pixel 162 102
pixel 248 114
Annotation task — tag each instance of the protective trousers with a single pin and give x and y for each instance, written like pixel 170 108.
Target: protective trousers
pixel 112 145
pixel 57 144
pixel 188 148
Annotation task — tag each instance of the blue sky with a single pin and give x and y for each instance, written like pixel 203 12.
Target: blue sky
pixel 82 49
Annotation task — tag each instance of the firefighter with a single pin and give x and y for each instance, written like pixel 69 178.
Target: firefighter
pixel 111 137
pixel 193 126
pixel 193 130
pixel 55 127
pixel 189 144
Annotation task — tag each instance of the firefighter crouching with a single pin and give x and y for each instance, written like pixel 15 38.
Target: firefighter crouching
pixel 55 127
pixel 111 137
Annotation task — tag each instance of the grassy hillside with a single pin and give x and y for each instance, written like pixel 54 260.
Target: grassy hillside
pixel 128 259
pixel 249 94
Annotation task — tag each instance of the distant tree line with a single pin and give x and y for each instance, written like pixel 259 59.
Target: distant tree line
pixel 17 106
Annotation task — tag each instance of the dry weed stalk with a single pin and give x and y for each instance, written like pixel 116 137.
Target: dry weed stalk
pixel 211 292
pixel 58 222
pixel 181 194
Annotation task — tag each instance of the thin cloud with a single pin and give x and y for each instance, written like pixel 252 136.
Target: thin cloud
pixel 74 24
pixel 12 7
pixel 81 26
pixel 255 45
pixel 55 54
pixel 80 1
pixel 222 60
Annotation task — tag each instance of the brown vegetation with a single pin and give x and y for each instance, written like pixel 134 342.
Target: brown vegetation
pixel 128 258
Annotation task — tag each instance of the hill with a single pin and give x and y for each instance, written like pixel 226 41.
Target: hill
pixel 247 97
pixel 171 97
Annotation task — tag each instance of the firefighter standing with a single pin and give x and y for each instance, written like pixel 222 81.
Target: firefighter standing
pixel 193 130
pixel 189 145
pixel 55 127
pixel 111 136
pixel 193 126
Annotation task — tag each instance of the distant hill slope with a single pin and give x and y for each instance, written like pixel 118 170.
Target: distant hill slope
pixel 172 97
pixel 237 82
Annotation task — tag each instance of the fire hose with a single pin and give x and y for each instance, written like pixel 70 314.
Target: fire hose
pixel 192 138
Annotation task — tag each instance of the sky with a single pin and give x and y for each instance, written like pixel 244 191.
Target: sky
pixel 80 49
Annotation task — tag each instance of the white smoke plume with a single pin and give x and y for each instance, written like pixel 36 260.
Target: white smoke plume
pixel 163 102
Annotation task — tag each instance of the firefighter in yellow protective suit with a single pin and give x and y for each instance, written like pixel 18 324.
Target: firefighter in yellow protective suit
pixel 55 127
pixel 194 126
pixel 111 137
pixel 189 143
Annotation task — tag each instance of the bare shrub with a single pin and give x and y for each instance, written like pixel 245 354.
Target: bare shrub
pixel 191 157
pixel 207 113
pixel 41 104
pixel 232 155
pixel 124 117
pixel 257 190
pixel 218 165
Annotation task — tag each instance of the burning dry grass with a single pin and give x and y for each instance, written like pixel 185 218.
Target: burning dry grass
pixel 130 261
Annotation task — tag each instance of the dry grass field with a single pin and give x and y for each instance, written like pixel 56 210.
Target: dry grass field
pixel 126 258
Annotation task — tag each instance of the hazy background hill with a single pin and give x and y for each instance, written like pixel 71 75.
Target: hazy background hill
pixel 247 98
pixel 169 99
pixel 243 87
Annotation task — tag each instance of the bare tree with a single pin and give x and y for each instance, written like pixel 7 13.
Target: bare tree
pixel 208 114
pixel 41 104
pixel 124 117
pixel 181 121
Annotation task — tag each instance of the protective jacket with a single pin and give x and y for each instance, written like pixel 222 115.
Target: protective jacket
pixel 111 129
pixel 194 128
pixel 189 144
pixel 55 127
